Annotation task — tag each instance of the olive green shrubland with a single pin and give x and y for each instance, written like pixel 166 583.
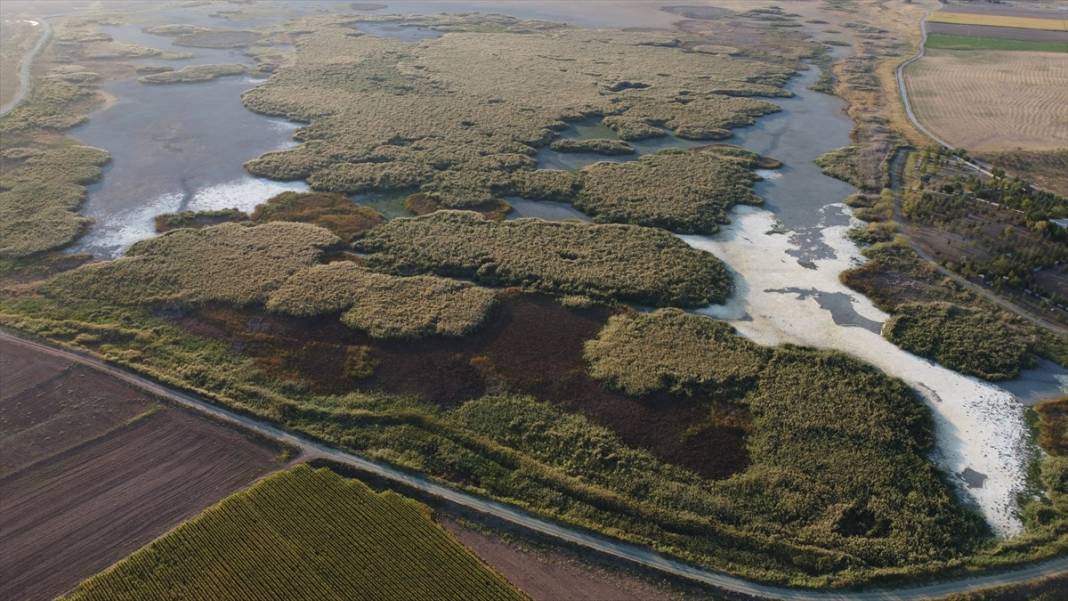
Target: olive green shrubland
pixel 455 117
pixel 385 306
pixel 334 212
pixel 963 339
pixel 688 191
pixel 40 195
pixel 228 262
pixel 825 426
pixel 622 262
pixel 672 350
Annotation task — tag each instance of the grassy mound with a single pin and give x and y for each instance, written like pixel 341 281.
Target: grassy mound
pixel 334 212
pixel 227 262
pixel 40 195
pixel 303 534
pixel 620 262
pixel 672 350
pixel 385 306
pixel 685 191
pixel 963 339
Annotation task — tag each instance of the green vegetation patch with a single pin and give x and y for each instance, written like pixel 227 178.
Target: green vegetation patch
pixel 228 262
pixel 622 262
pixel 40 195
pixel 594 145
pixel 334 212
pixel 672 350
pixel 948 41
pixel 385 306
pixel 688 191
pixel 1053 426
pixel 197 219
pixel 303 534
pixel 193 73
pixel 455 117
pixel 838 448
pixel 963 339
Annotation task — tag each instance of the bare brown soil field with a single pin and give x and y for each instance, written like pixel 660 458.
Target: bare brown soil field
pixel 529 345
pixel 554 575
pixel 48 405
pixel 92 470
pixel 991 100
pixel 1041 9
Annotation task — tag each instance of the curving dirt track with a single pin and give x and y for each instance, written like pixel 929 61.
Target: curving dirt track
pixel 640 556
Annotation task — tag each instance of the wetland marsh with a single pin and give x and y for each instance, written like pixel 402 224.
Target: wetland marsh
pixel 620 304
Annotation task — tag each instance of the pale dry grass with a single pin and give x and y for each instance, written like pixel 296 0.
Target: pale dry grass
pixel 990 100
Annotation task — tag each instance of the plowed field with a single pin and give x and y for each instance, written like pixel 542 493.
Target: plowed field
pixel 991 100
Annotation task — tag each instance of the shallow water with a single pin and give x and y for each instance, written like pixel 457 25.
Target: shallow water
pixel 173 148
pixel 787 257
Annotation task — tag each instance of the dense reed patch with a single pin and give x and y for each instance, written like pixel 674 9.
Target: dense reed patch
pixel 40 194
pixel 672 350
pixel 334 212
pixel 228 262
pixel 193 74
pixel 687 191
pixel 621 262
pixel 385 306
pixel 454 116
pixel 967 340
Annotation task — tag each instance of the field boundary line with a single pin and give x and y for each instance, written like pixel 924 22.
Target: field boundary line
pixel 624 551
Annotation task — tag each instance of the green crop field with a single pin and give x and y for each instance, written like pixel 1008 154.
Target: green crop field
pixel 303 534
pixel 947 41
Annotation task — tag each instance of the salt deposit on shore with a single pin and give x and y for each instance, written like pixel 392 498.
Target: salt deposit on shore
pixel 979 427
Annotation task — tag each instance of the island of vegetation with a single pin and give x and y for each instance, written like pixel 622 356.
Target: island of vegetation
pixel 627 263
pixel 193 74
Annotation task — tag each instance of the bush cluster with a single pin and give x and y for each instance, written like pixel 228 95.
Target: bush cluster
pixel 385 306
pixel 622 262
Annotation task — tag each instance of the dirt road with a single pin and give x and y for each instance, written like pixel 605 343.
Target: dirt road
pixel 613 548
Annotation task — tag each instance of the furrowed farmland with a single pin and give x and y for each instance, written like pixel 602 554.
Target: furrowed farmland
pixel 304 534
pixel 990 100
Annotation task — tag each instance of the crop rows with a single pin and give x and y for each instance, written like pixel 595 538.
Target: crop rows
pixel 304 534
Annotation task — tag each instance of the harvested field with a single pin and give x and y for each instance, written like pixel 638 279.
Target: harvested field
pixel 991 100
pixel 106 480
pixel 305 534
pixel 1001 20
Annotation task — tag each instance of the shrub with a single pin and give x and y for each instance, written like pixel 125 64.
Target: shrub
pixel 334 212
pixel 623 262
pixel 963 339
pixel 385 306
pixel 228 262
